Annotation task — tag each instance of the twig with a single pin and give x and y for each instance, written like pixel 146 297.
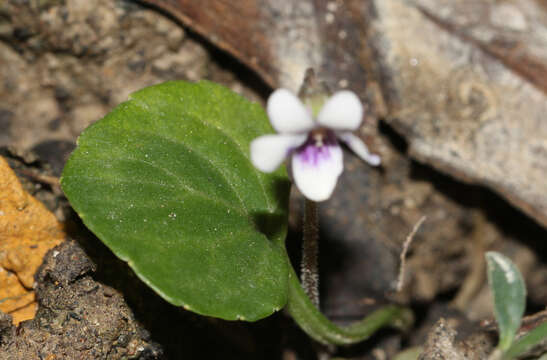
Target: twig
pixel 406 245
pixel 46 179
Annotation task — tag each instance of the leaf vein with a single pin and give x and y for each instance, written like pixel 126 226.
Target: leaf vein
pixel 216 167
pixel 188 188
pixel 245 154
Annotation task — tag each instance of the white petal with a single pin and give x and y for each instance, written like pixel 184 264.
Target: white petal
pixel 342 111
pixel 359 148
pixel 315 170
pixel 287 113
pixel 269 151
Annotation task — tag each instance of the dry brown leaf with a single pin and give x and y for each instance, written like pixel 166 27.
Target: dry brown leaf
pixel 27 231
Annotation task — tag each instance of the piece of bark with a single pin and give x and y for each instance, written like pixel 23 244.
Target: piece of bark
pixel 512 31
pixel 462 109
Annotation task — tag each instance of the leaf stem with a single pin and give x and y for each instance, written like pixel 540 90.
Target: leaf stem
pixel 309 265
pixel 303 301
pixel 321 329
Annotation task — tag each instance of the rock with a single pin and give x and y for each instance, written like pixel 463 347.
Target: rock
pixel 466 106
pixel 441 344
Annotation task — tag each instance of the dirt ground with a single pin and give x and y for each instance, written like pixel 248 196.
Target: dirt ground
pixel 65 64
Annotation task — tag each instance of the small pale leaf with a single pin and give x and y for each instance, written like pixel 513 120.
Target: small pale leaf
pixel 509 293
pixel 165 181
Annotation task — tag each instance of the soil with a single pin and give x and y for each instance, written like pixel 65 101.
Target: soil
pixel 77 318
pixel 65 64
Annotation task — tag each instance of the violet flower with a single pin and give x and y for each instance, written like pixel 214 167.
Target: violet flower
pixel 309 134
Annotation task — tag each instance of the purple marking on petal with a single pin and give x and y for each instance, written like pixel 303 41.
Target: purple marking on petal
pixel 317 147
pixel 312 155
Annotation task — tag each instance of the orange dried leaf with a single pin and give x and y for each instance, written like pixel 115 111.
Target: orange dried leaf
pixel 27 231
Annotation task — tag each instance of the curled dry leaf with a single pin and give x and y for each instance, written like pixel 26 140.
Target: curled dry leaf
pixel 279 40
pixel 27 231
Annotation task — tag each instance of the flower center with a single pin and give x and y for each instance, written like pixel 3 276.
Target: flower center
pixel 321 136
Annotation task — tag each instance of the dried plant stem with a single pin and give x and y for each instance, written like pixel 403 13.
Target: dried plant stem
pixel 309 266
pixel 406 245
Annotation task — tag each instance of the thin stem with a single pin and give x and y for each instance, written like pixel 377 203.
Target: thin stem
pixel 326 332
pixel 309 266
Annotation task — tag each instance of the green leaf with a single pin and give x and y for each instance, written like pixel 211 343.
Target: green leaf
pixel 165 181
pixel 528 341
pixel 509 292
